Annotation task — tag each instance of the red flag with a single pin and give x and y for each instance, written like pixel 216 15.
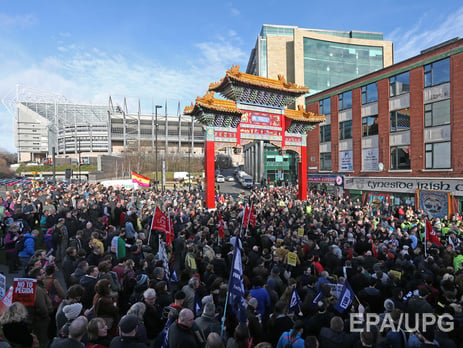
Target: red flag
pixel 170 235
pixel 252 216
pixel 373 249
pixel 246 216
pixel 160 221
pixel 221 227
pixel 430 234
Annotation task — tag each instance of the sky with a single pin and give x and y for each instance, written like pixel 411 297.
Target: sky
pixel 170 51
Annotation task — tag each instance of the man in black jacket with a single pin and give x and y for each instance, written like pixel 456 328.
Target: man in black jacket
pixel 184 332
pixel 128 326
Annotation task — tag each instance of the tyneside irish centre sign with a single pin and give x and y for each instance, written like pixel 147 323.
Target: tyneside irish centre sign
pixel 404 185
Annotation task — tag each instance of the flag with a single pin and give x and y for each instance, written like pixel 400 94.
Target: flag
pixel 170 236
pixel 295 301
pixel 141 180
pixel 160 221
pixel 246 216
pixel 345 298
pixel 221 227
pixel 373 249
pixel 430 234
pixel 252 216
pixel 236 286
pixel 320 296
pixel 163 257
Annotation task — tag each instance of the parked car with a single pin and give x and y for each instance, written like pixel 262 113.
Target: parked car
pixel 220 178
pixel 230 178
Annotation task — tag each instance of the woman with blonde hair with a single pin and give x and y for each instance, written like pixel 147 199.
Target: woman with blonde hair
pixel 15 327
pixel 138 309
pixel 98 334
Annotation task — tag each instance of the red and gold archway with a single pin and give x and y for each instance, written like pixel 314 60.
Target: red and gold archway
pixel 255 109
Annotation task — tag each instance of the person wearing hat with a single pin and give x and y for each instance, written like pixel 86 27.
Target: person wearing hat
pixel 127 333
pixel 71 312
pixel 207 322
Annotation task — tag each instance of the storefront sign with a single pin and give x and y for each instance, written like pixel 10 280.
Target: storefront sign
pixel 321 179
pixel 404 185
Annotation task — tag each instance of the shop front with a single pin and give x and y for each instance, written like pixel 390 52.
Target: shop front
pixel 406 191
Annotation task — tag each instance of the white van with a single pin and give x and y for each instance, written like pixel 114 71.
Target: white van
pixel 180 176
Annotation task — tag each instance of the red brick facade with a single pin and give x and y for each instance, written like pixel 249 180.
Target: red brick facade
pixel 417 148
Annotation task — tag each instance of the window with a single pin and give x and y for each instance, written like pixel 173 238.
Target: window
pixel 345 130
pixel 370 125
pixel 325 133
pixel 399 84
pixel 437 73
pixel 345 100
pixel 436 114
pixel 325 106
pixel 325 161
pixel 400 157
pixel 369 93
pixel 437 155
pixel 400 120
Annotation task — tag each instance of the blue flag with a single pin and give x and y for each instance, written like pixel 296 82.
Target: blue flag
pixel 295 301
pixel 236 286
pixel 345 298
pixel 320 296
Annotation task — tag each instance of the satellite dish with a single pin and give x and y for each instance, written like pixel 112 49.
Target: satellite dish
pixel 380 166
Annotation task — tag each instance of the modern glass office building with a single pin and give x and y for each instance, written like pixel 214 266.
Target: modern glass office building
pixel 318 59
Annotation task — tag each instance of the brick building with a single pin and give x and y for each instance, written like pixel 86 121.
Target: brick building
pixel 395 130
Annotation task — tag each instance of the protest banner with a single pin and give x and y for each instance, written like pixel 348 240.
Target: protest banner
pixel 24 291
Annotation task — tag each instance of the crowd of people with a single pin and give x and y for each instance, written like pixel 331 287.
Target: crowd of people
pixel 122 285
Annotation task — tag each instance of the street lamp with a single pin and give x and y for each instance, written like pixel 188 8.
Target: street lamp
pixel 156 126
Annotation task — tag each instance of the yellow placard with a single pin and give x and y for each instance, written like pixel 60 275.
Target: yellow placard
pixel 292 259
pixel 34 173
pixel 396 274
pixel 300 231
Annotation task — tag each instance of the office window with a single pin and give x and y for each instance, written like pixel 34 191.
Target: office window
pixel 370 125
pixel 345 100
pixel 399 84
pixel 369 93
pixel 400 157
pixel 437 114
pixel 437 73
pixel 325 161
pixel 345 130
pixel 325 133
pixel 438 156
pixel 325 106
pixel 400 120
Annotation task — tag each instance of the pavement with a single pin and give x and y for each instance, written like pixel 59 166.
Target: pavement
pixel 20 274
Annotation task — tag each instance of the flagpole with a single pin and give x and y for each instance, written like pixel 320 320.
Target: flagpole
pixel 151 227
pixel 425 239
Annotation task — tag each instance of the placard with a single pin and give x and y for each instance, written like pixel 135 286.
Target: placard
pixel 24 291
pixel 300 231
pixel 292 259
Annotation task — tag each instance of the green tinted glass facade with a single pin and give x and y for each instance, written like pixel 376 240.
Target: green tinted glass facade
pixel 327 64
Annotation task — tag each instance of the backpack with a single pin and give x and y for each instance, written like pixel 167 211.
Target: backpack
pixel 20 244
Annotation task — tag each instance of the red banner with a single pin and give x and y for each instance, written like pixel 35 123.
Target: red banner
pixel 24 291
pixel 252 216
pixel 160 221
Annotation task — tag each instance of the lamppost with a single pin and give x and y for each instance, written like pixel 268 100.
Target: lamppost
pixel 79 161
pixel 189 154
pixel 156 150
